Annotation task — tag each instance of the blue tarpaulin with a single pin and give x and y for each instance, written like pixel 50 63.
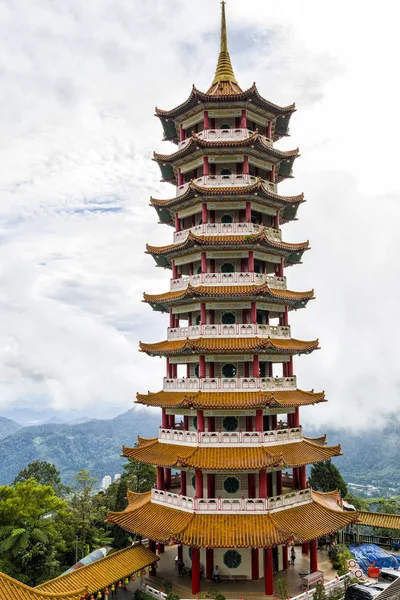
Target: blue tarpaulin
pixel 367 554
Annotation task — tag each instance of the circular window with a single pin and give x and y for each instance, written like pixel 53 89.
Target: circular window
pixel 232 559
pixel 198 320
pixel 197 371
pixel 228 318
pixel 226 219
pixel 227 268
pixel 230 424
pixel 226 172
pixel 229 371
pixel 231 485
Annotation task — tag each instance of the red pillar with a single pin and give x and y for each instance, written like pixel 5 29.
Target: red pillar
pixel 203 314
pixel 251 478
pixel 313 556
pixel 211 423
pixel 305 548
pixel 167 478
pixel 174 271
pixel 285 556
pixel 177 222
pixel 285 317
pixel 246 165
pixel 181 133
pixel 209 563
pixel 262 484
pixel 255 572
pixel 202 367
pixel 204 211
pixel 276 220
pixel 302 477
pixel 161 548
pixel 180 178
pixel 253 313
pixel 296 418
pixel 164 419
pixel 278 483
pixel 203 262
pixel 251 261
pixel 211 485
pixel 183 483
pixel 273 174
pixel 199 483
pixel 256 366
pixel 243 125
pixel 269 129
pixel 206 120
pixel 195 570
pixel 259 420
pixel 268 572
pixel 200 421
pixel 290 367
pixel 205 171
pixel 186 419
pixel 160 478
pixel 249 423
pixel 281 267
pixel 248 212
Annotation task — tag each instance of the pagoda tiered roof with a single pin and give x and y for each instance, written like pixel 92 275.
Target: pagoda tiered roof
pixel 11 589
pixel 224 400
pixel 262 292
pixel 294 454
pixel 298 524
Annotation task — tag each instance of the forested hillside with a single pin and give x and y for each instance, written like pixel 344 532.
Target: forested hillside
pixel 8 427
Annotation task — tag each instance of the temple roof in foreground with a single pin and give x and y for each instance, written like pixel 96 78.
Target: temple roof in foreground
pixel 229 346
pixel 294 454
pixel 299 524
pixel 238 400
pixel 384 520
pixel 11 589
pixel 101 573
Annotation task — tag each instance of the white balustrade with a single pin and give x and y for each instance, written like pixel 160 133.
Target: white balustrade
pixel 217 135
pixel 226 181
pixel 235 330
pixel 211 229
pixel 232 505
pixel 220 279
pixel 234 384
pixel 228 438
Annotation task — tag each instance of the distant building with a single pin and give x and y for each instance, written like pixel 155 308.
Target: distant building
pixel 106 482
pixel 117 477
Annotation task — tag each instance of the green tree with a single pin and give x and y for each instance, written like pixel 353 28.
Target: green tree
pixel 326 477
pixel 44 473
pixel 28 531
pixel 140 477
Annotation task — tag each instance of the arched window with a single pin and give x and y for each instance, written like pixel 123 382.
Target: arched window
pixel 226 219
pixel 225 126
pixel 227 268
pixel 226 172
pixel 229 371
pixel 230 424
pixel 228 318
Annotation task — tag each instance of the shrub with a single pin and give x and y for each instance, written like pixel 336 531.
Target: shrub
pixel 282 587
pixel 167 586
pixel 172 596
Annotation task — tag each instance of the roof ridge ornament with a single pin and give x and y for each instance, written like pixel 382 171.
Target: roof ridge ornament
pixel 224 73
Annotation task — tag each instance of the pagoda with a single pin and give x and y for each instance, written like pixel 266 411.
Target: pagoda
pixel 231 457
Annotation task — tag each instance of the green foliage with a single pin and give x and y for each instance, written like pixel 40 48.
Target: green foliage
pixel 215 594
pixel 339 556
pixel 325 477
pixel 167 586
pixel 320 593
pixel 172 596
pixel 358 503
pixel 141 595
pixel 282 587
pixel 44 473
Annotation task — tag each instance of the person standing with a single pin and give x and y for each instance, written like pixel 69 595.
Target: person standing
pixel 292 556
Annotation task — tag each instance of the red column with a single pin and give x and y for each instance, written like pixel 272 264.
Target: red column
pixel 161 548
pixel 243 123
pixel 209 563
pixel 160 478
pixel 285 317
pixel 180 178
pixel 302 477
pixel 174 271
pixel 188 370
pixel 205 171
pixel 195 570
pixel 273 174
pixel 249 423
pixel 171 418
pixel 248 212
pixel 183 483
pixel 167 478
pixel 246 165
pixel 181 133
pixel 202 368
pixel 259 420
pixel 251 261
pixel 274 421
pixel 269 129
pixel 253 313
pixel 255 572
pixel 199 483
pixel 164 419
pixel 203 262
pixel 203 314
pixel 211 424
pixel 186 422
pixel 251 479
pixel 200 421
pixel 211 485
pixel 211 312
pixel 289 367
pixel 296 418
pixel 276 220
pixel 305 548
pixel 278 483
pixel 262 484
pixel 212 216
pixel 212 269
pixel 313 556
pixel 268 572
pixel 256 366
pixel 206 120
pixel 246 369
pixel 285 556
pixel 177 222
pixel 281 267
pixel 204 212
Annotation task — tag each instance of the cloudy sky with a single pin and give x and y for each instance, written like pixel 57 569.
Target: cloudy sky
pixel 78 86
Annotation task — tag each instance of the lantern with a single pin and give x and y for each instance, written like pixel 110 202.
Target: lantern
pixel 155 566
pixel 133 577
pixel 144 572
pixel 92 597
pixel 106 591
pixel 126 580
pixel 99 595
pixel 120 584
pixel 113 588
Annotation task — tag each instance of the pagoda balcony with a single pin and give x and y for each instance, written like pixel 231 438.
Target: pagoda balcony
pixel 237 278
pixel 215 181
pixel 227 229
pixel 230 439
pixel 232 505
pixel 234 384
pixel 235 330
pixel 219 135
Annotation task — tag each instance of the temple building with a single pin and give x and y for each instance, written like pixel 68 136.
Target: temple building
pixel 231 456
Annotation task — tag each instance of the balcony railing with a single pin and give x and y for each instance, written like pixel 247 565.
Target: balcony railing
pixel 238 384
pixel 211 229
pixel 216 438
pixel 236 330
pixel 217 135
pixel 237 278
pixel 226 181
pixel 232 505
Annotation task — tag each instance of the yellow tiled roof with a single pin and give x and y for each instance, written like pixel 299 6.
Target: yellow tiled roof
pixel 230 459
pixel 226 345
pixel 227 241
pixel 223 400
pixel 103 572
pixel 384 520
pixel 228 291
pixel 301 523
pixel 11 589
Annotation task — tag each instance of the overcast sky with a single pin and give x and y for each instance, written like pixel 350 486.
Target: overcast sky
pixel 78 84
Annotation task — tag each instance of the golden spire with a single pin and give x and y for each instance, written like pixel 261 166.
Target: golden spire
pixel 224 72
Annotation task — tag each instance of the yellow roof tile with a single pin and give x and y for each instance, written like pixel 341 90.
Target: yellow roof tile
pixel 385 520
pixel 11 589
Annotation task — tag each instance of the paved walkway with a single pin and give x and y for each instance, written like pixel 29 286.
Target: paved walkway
pixel 248 590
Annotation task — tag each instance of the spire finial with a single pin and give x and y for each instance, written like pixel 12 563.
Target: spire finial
pixel 224 71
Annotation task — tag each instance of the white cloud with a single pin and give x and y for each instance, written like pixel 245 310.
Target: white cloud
pixel 79 82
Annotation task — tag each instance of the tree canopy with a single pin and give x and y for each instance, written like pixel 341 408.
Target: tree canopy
pixel 326 477
pixel 44 473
